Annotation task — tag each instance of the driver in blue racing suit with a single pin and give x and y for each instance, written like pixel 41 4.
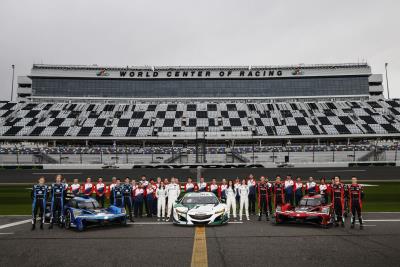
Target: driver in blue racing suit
pixel 57 195
pixel 39 195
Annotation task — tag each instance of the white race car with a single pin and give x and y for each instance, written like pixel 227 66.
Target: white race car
pixel 200 208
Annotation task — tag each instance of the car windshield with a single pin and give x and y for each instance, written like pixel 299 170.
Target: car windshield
pixel 310 202
pixel 93 204
pixel 200 200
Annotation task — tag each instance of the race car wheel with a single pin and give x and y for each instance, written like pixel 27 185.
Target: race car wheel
pixel 68 217
pixel 80 226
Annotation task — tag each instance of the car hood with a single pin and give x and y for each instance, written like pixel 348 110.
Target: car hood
pixel 96 212
pixel 307 208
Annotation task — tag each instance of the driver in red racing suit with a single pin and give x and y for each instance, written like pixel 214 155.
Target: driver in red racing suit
pixel 338 201
pixel 356 196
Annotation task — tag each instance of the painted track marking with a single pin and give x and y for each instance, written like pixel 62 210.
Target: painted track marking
pixel 14 224
pixel 199 253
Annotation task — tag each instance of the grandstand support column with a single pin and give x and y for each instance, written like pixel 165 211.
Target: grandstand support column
pixel 313 153
pixel 172 150
pixel 333 155
pixel 354 153
pixel 87 142
pixel 198 174
pixel 101 156
pixel 232 150
pixel 395 153
pixel 318 141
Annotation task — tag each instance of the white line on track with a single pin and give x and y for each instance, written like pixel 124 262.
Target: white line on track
pixel 383 220
pixel 14 224
pixel 341 170
pixel 6 233
pixel 161 223
pixel 43 173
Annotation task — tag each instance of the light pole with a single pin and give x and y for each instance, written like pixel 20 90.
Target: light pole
pixel 387 81
pixel 12 83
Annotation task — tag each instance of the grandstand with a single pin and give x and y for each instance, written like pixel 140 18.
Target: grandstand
pixel 201 110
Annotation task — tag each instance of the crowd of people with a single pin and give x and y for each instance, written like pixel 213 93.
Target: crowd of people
pixel 155 197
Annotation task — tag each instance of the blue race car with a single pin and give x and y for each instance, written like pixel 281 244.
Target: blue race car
pixel 81 212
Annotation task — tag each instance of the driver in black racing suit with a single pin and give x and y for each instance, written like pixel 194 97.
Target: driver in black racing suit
pixel 57 195
pixel 39 196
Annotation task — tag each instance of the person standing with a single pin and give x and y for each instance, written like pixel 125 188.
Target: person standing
pixel 110 190
pixel 203 187
pixel 57 196
pixel 127 198
pixel 278 192
pixel 150 199
pixel 117 193
pixel 161 194
pixel 145 183
pixel 356 195
pixel 222 192
pixel 324 189
pixel 39 197
pixel 173 192
pixel 270 193
pixel 311 186
pixel 262 190
pixel 190 186
pixel 288 187
pixel 298 190
pixel 338 201
pixel 88 187
pixel 100 189
pixel 231 199
pixel 75 188
pixel 244 199
pixel 214 188
pixel 139 197
pixel 252 194
pixel 237 185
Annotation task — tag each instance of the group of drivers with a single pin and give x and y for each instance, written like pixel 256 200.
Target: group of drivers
pixel 157 196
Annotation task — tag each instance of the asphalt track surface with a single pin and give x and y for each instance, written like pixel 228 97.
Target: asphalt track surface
pixel 364 173
pixel 251 243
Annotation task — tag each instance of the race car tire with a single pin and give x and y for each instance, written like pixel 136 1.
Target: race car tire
pixel 68 218
pixel 80 225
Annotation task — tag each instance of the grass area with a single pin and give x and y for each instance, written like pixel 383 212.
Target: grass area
pixel 15 199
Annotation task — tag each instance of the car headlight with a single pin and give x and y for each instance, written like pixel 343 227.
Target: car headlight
pixel 325 210
pixel 181 210
pixel 221 210
pixel 278 208
pixel 76 212
pixel 123 210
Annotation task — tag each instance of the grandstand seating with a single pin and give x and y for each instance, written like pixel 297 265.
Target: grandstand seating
pixel 184 120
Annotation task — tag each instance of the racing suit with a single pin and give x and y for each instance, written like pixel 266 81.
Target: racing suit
pixel 311 188
pixel 237 185
pixel 161 194
pixel 298 192
pixel 75 189
pixel 39 196
pixel 223 192
pixel 127 199
pixel 139 196
pixel 263 199
pixel 243 192
pixel 323 190
pixel 338 202
pixel 214 188
pixel 150 199
pixel 117 196
pixel 173 191
pixel 278 194
pixel 100 191
pixel 145 183
pixel 252 195
pixel 189 187
pixel 203 187
pixel 110 191
pixel 356 194
pixel 88 189
pixel 270 189
pixel 289 184
pixel 231 201
pixel 57 203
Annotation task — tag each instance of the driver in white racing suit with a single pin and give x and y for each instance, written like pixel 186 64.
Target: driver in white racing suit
pixel 243 192
pixel 173 191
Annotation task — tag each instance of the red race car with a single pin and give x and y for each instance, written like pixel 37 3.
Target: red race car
pixel 311 209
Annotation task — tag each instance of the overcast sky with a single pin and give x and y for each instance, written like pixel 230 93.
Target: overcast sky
pixel 206 32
